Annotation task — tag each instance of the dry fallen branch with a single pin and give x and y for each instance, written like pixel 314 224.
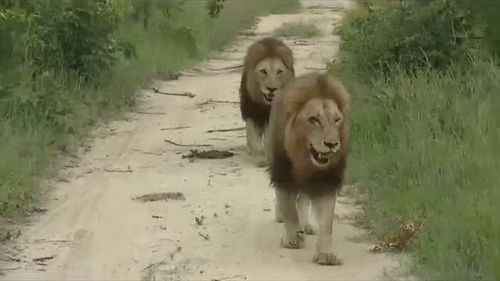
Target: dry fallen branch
pixel 184 94
pixel 52 241
pixel 175 128
pixel 162 196
pixel 208 154
pixel 217 101
pixel 42 259
pixel 128 170
pixel 186 145
pixel 226 130
pixel 230 277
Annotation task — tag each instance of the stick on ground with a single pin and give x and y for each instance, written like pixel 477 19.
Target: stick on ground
pixel 217 101
pixel 42 259
pixel 226 130
pixel 230 277
pixel 186 145
pixel 175 128
pixel 184 94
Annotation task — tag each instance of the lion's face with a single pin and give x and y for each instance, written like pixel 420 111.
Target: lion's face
pixel 271 75
pixel 319 124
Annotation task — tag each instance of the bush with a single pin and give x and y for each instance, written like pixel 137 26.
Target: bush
pixel 74 38
pixel 74 48
pixel 424 132
pixel 426 146
pixel 388 38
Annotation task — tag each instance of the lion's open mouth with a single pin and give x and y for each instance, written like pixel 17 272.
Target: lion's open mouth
pixel 319 158
pixel 268 98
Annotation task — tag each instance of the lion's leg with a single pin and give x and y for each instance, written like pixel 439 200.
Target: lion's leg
pixel 278 216
pixel 324 208
pixel 266 145
pixel 294 236
pixel 303 204
pixel 254 141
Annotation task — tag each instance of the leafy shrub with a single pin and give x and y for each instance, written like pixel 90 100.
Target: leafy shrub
pixel 486 13
pixel 425 141
pixel 12 23
pixel 214 7
pixel 78 39
pixel 388 37
pixel 73 47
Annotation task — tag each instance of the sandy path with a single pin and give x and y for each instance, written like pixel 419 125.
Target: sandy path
pixel 108 236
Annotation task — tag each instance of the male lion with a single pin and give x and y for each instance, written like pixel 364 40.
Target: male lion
pixel 267 67
pixel 306 148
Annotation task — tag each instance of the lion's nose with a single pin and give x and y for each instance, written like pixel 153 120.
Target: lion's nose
pixel 271 90
pixel 331 145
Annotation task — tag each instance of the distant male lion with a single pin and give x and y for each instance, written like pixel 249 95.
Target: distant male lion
pixel 306 148
pixel 267 67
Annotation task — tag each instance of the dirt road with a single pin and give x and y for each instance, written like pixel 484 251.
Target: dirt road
pixel 224 227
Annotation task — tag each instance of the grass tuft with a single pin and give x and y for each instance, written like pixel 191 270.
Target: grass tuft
pixel 425 146
pixel 424 134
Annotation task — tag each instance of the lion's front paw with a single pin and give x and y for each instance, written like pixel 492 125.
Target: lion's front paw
pixel 293 241
pixel 327 259
pixel 309 229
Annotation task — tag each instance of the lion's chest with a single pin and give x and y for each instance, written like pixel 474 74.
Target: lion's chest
pixel 311 180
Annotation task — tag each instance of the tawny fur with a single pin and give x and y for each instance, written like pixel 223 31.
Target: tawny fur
pixel 287 174
pixel 251 107
pixel 307 120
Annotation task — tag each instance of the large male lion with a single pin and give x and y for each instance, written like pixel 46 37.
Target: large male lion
pixel 267 67
pixel 306 147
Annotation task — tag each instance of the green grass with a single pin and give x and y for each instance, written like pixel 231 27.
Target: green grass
pixel 297 29
pixel 41 117
pixel 425 146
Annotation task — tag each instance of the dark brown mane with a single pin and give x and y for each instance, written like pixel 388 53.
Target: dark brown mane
pixel 316 85
pixel 268 47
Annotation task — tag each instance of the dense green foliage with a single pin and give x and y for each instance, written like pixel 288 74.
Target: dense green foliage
pixel 424 138
pixel 66 65
pixel 395 37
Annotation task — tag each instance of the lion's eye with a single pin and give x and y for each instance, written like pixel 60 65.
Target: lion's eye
pixel 263 71
pixel 314 120
pixel 337 120
pixel 280 71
